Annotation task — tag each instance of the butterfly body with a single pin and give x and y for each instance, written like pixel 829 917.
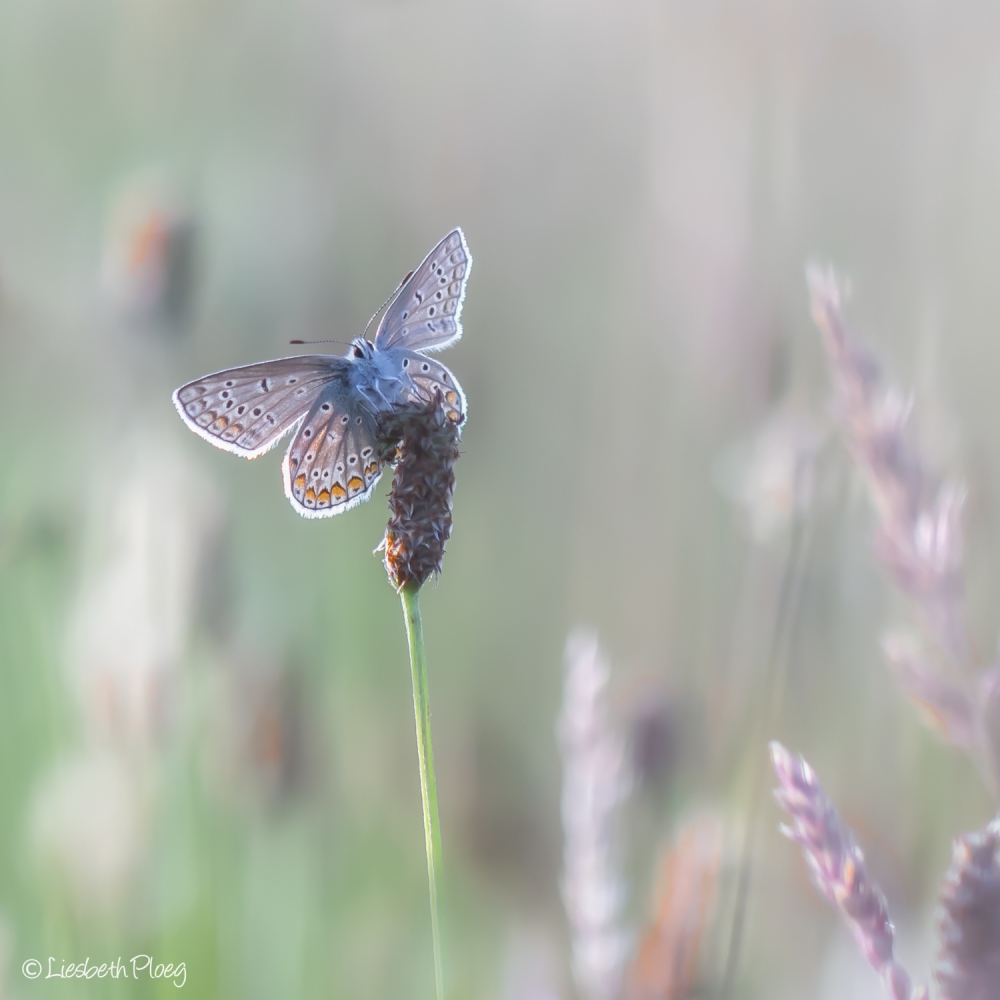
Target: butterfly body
pixel 333 403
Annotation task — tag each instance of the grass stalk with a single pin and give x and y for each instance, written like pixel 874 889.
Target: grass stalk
pixel 769 710
pixel 410 595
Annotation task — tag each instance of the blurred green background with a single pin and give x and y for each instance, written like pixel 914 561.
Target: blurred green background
pixel 206 734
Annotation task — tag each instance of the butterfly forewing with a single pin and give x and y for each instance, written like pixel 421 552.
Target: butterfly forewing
pixel 248 410
pixel 332 463
pixel 426 314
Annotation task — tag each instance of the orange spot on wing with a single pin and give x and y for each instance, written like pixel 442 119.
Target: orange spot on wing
pixel 452 397
pixel 324 496
pixel 221 423
pixel 338 491
pixel 300 481
pixel 372 469
pixel 311 495
pixel 355 483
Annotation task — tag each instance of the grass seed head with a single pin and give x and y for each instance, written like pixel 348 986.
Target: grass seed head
pixel 421 442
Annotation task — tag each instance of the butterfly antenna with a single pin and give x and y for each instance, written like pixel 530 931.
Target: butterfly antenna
pixel 319 342
pixel 387 301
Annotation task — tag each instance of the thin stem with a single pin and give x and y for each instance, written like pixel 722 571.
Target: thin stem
pixel 770 707
pixel 425 755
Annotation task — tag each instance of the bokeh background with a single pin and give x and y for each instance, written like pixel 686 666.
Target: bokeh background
pixel 206 733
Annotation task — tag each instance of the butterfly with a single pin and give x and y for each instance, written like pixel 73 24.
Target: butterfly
pixel 331 403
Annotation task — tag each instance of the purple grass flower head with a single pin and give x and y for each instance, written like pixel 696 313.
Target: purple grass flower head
pixel 968 964
pixel 920 536
pixel 989 707
pixel 596 782
pixel 926 558
pixel 837 867
pixel 945 705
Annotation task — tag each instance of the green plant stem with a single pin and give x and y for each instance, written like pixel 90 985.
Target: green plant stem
pixel 425 755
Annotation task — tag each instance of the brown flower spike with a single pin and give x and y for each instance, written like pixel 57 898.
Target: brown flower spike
pixel 421 440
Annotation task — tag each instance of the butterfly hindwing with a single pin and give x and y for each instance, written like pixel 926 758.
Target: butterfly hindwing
pixel 332 463
pixel 426 313
pixel 248 410
pixel 424 376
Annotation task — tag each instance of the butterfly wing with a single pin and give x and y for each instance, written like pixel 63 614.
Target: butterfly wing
pixel 423 376
pixel 248 410
pixel 426 313
pixel 332 463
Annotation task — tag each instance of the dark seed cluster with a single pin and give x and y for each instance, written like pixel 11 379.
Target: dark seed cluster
pixel 422 443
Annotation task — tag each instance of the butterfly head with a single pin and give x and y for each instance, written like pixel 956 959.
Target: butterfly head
pixel 361 348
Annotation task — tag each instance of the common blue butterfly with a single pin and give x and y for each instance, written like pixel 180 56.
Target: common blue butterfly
pixel 332 402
